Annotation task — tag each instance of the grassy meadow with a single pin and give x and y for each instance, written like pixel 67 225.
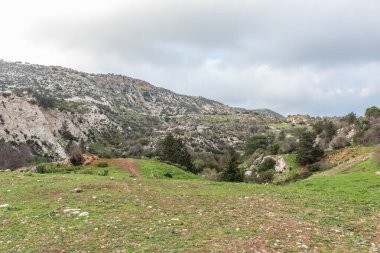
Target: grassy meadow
pixel 118 212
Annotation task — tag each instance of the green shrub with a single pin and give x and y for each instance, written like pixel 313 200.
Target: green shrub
pixel 102 165
pixel 267 164
pixel 104 173
pixel 263 177
pixel 168 174
pixel 86 171
pixel 314 167
pixel 41 169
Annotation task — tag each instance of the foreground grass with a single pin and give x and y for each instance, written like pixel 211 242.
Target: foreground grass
pixel 338 213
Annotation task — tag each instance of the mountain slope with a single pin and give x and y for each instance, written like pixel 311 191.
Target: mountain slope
pixel 50 107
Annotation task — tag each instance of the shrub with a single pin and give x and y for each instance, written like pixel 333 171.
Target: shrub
pixel 314 167
pixel 370 137
pixel 263 177
pixel 104 173
pixel 350 118
pixel 13 156
pixel 339 142
pixel 76 157
pixel 255 142
pixel 210 174
pixel 267 164
pixel 372 112
pixel 102 165
pixel 168 174
pixel 41 168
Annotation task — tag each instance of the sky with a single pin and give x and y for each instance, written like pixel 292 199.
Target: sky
pixel 292 56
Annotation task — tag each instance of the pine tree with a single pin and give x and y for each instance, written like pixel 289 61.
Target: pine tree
pixel 231 172
pixel 307 152
pixel 174 150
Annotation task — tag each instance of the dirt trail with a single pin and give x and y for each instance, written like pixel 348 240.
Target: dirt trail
pixel 127 164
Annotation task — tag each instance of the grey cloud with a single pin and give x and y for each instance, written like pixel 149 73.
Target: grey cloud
pixel 292 55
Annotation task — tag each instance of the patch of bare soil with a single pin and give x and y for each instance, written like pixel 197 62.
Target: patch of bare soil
pixel 126 164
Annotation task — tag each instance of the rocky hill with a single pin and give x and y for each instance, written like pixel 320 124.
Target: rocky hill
pixel 48 107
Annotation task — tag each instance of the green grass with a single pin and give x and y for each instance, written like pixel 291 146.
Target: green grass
pixel 159 170
pixel 369 165
pixel 338 213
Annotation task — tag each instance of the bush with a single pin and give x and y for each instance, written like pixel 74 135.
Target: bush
pixel 314 167
pixel 102 165
pixel 267 164
pixel 104 173
pixel 168 175
pixel 41 169
pixel 263 177
pixel 255 142
pixel 339 142
pixel 210 174
pixel 370 137
pixel 372 112
pixel 76 157
pixel 13 156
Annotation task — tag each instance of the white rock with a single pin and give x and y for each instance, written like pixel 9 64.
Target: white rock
pixel 83 214
pixel 4 206
pixel 76 190
pixel 378 173
pixel 69 210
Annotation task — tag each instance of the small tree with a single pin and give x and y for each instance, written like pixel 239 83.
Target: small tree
pixel 231 172
pixel 308 153
pixel 255 142
pixel 350 118
pixel 75 156
pixel 372 112
pixel 173 150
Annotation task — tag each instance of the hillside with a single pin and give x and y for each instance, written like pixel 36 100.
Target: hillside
pixel 86 209
pixel 47 107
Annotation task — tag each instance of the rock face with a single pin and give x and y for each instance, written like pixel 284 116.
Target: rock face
pixel 281 165
pixel 48 107
pixel 23 121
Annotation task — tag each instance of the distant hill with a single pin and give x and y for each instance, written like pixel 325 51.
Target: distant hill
pixel 51 106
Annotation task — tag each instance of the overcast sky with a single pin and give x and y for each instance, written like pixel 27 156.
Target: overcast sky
pixel 292 56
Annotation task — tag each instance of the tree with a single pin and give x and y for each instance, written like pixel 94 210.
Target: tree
pixel 372 112
pixel 44 100
pixel 231 171
pixel 350 118
pixel 173 150
pixel 255 142
pixel 308 153
pixel 325 128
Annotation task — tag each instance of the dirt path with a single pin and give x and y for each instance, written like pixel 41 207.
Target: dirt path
pixel 126 164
